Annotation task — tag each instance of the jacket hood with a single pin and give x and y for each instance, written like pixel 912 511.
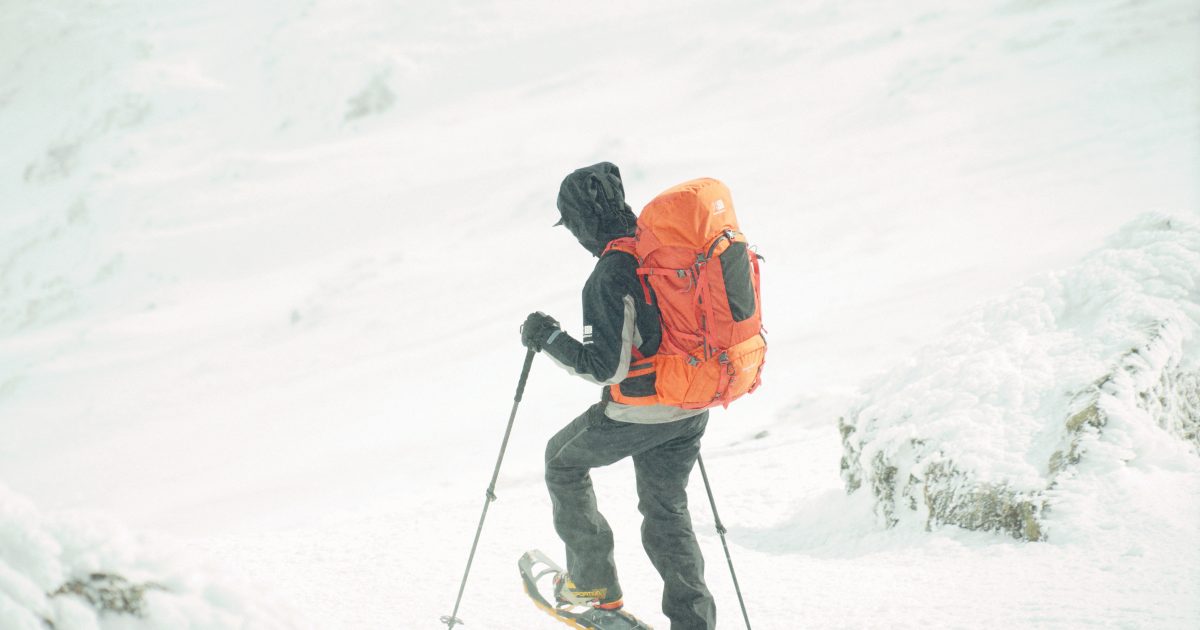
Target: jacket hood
pixel 591 202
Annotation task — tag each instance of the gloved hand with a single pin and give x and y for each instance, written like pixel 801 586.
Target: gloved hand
pixel 538 330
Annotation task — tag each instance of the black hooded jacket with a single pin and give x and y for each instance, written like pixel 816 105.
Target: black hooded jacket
pixel 616 314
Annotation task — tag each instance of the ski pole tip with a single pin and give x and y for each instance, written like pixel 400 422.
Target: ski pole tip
pixel 450 621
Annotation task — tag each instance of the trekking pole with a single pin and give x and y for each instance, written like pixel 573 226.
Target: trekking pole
pixel 721 530
pixel 452 619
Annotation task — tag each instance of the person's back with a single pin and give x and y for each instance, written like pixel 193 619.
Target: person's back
pixel 620 328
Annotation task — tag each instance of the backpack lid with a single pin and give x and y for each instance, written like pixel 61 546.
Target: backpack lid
pixel 688 215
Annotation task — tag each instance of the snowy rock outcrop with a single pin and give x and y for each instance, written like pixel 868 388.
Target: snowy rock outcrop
pixel 66 572
pixel 980 429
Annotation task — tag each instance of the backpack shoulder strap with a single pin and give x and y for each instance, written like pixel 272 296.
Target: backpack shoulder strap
pixel 628 244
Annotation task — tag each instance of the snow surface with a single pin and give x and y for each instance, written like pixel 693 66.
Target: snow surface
pixel 262 264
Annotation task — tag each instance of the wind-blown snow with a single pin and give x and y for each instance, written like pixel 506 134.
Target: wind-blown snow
pixel 262 265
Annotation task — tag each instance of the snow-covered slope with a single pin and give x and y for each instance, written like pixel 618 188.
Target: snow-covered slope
pixel 1099 361
pixel 262 264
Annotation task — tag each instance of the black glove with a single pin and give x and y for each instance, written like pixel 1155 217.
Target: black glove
pixel 537 330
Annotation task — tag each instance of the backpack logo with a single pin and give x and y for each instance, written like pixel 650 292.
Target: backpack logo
pixel 718 206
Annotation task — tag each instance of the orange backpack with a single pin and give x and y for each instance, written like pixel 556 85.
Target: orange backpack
pixel 701 273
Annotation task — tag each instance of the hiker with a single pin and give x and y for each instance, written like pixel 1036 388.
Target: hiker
pixel 620 327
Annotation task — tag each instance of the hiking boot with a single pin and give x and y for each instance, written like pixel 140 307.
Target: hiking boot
pixel 567 594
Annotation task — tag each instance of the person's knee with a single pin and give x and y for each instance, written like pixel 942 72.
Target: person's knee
pixel 555 473
pixel 553 456
pixel 557 448
pixel 663 506
pixel 558 472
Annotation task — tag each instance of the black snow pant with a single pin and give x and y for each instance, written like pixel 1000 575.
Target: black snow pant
pixel 663 457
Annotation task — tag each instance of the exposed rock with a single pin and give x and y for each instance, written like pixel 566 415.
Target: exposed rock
pixel 107 592
pixel 376 97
